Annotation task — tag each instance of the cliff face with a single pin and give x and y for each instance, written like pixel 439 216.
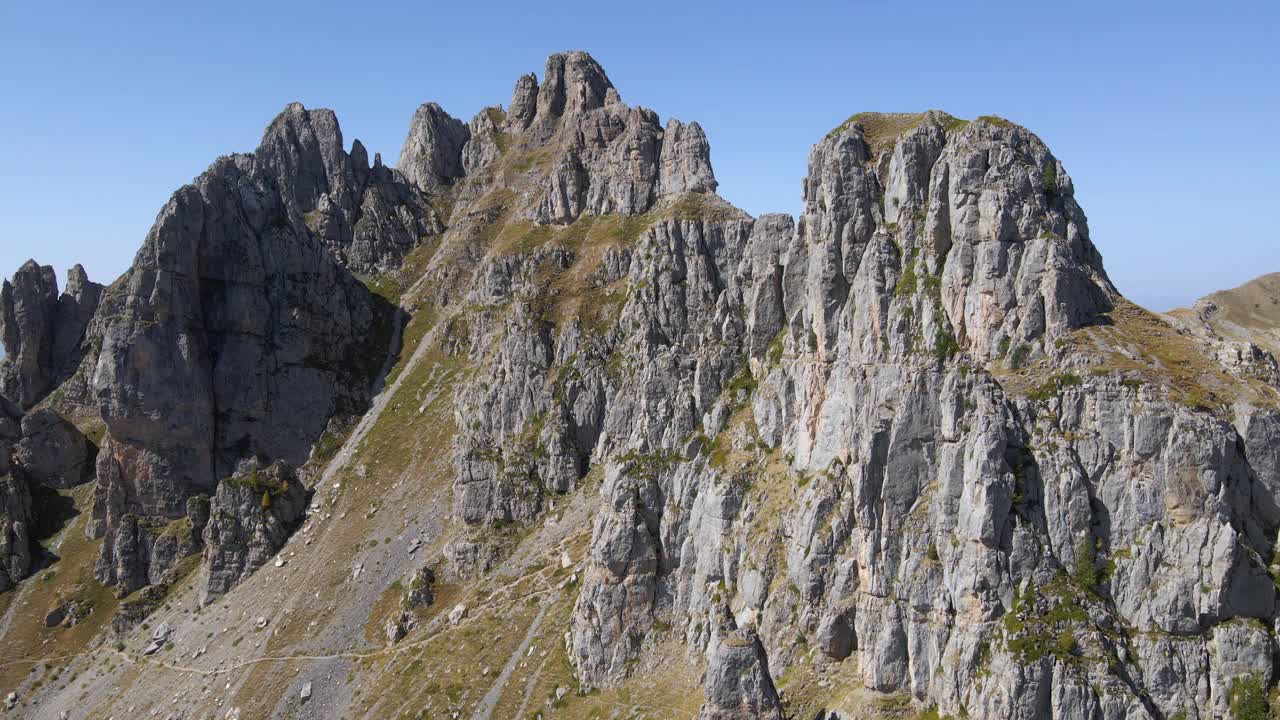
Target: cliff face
pixel 243 330
pixel 909 452
pixel 47 335
pixel 43 332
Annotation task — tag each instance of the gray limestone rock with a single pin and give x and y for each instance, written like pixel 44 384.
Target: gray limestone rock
pixel 28 307
pixel 43 332
pixel 52 451
pixel 737 683
pixel 685 160
pixel 836 636
pixel 421 590
pixel 250 518
pixel 895 438
pixel 239 335
pixel 15 530
pixel 524 102
pixel 432 154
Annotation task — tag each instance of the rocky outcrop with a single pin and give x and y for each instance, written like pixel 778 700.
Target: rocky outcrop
pixel 42 332
pixel 559 395
pixel 524 103
pixel 602 156
pixel 737 683
pixel 931 480
pixel 52 451
pixel 250 518
pixel 432 154
pixel 241 332
pixel 15 529
pixel 368 218
pixel 45 340
pixel 28 306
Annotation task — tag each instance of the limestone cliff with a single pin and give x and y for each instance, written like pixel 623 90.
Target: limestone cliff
pixel 910 452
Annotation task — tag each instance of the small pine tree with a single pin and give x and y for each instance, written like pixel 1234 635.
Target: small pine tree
pixel 1248 699
pixel 1086 566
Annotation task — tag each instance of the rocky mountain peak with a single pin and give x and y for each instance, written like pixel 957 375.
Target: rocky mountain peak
pixel 909 452
pixel 978 216
pixel 432 154
pixel 41 330
pixel 524 102
pixel 578 149
pixel 573 83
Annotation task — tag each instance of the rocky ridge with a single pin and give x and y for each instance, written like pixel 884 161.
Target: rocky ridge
pixel 908 452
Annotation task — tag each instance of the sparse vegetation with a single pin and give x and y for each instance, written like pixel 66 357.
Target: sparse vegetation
pixel 1248 699
pixel 907 283
pixel 1054 385
pixel 649 465
pixel 773 355
pixel 1049 177
pixel 1085 570
pixel 1018 355
pixel 1046 621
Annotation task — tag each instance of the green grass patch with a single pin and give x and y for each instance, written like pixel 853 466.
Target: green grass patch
pixel 1054 385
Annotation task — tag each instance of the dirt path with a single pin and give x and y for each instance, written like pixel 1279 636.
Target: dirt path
pixel 549 592
pixel 490 701
pixel 529 685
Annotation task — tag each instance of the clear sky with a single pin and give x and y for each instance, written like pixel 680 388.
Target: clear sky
pixel 1165 114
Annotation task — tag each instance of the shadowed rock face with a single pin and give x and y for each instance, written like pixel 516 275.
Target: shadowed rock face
pixel 241 331
pixel 52 451
pixel 42 331
pixel 912 442
pixel 15 528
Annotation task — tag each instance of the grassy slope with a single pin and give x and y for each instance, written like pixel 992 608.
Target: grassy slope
pixel 1249 312
pixel 70 577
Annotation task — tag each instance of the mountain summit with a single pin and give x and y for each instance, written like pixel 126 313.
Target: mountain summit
pixel 535 424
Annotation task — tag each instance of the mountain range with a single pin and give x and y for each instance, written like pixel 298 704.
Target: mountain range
pixel 534 424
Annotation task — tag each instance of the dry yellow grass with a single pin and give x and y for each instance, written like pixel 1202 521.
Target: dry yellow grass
pixel 70 577
pixel 1250 312
pixel 881 130
pixel 1147 349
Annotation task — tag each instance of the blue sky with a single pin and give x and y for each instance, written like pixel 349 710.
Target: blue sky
pixel 1166 117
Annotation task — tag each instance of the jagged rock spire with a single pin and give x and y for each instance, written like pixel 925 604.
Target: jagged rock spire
pixel 573 83
pixel 42 330
pixel 524 102
pixel 432 154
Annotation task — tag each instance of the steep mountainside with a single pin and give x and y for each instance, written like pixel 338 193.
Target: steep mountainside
pixel 537 425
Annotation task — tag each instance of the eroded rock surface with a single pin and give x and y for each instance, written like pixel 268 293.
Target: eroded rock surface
pixel 15 529
pixel 42 331
pixel 250 517
pixel 242 332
